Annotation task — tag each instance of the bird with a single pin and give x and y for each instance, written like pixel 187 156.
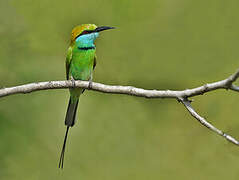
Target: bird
pixel 80 63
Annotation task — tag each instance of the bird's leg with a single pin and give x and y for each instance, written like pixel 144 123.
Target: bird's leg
pixel 73 82
pixel 90 81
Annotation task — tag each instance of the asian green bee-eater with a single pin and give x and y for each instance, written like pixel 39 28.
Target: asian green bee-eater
pixel 80 63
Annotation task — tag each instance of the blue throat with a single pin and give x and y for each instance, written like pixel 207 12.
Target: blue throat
pixel 86 41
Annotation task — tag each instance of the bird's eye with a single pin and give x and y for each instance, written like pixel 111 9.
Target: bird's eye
pixel 85 32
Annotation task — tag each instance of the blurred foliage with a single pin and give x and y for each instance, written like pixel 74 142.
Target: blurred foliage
pixel 161 44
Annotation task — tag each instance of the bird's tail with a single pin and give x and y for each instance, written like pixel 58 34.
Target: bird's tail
pixel 69 122
pixel 61 162
pixel 71 112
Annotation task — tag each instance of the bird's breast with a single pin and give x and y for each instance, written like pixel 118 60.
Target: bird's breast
pixel 82 64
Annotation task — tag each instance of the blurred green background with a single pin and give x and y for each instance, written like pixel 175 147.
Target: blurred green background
pixel 158 44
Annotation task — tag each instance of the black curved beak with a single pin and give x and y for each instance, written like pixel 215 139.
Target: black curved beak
pixel 102 28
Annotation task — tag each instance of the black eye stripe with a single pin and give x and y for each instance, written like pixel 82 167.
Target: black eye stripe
pixel 88 31
pixel 85 32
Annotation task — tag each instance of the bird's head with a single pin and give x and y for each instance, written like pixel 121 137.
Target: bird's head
pixel 84 35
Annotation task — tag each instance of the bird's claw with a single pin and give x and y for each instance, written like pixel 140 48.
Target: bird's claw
pixel 90 84
pixel 73 83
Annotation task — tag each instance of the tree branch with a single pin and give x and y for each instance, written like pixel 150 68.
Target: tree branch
pixel 201 120
pixel 181 96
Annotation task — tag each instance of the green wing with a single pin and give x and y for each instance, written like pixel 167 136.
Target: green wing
pixel 68 61
pixel 94 62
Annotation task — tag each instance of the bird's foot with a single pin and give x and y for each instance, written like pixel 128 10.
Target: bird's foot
pixel 90 84
pixel 73 82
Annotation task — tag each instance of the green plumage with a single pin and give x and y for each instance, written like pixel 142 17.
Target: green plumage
pixel 79 66
pixel 80 63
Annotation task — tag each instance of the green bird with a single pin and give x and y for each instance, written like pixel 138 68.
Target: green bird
pixel 80 63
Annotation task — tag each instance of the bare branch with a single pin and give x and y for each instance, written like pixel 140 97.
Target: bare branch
pixel 203 121
pixel 182 96
pixel 129 90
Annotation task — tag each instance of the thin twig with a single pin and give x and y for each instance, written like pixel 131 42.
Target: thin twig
pixel 203 121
